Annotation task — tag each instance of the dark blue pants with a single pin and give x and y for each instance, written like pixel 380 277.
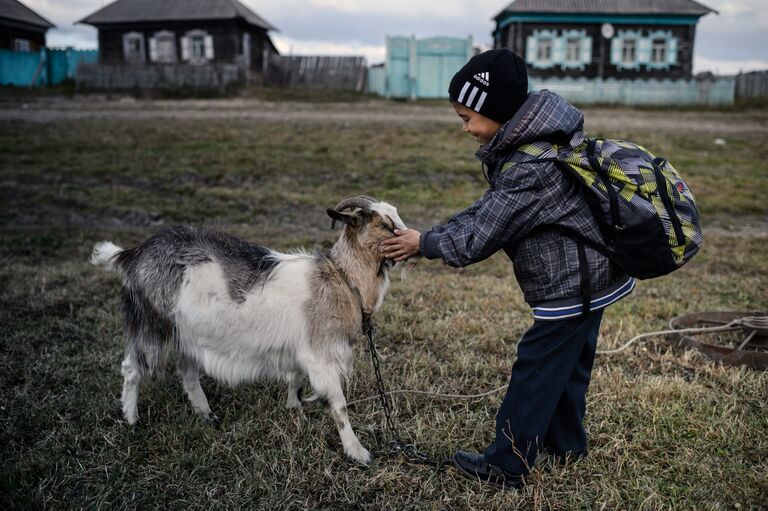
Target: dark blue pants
pixel 545 403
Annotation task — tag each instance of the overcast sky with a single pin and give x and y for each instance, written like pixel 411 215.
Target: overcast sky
pixel 734 40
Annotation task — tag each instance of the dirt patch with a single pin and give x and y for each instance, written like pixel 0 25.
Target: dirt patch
pixel 41 110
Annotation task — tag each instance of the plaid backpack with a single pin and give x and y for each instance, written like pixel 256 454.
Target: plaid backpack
pixel 645 211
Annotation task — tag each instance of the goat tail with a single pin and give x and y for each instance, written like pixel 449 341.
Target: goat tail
pixel 104 254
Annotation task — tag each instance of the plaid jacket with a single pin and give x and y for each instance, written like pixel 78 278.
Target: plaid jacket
pixel 523 208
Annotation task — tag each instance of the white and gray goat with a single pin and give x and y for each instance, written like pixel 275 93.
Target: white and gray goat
pixel 242 312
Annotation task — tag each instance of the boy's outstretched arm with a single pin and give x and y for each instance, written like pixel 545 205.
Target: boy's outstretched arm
pixel 403 246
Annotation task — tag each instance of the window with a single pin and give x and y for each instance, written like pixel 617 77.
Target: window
pixel 544 50
pixel 659 51
pixel 572 50
pixel 197 47
pixel 22 45
pixel 629 51
pixel 133 47
pixel 164 47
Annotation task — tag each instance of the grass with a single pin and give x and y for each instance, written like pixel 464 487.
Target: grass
pixel 668 429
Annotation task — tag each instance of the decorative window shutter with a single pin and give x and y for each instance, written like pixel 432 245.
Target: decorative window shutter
pixel 643 50
pixel 209 47
pixel 152 49
pixel 126 48
pixel 672 50
pixel 185 48
pixel 616 50
pixel 530 49
pixel 558 50
pixel 586 51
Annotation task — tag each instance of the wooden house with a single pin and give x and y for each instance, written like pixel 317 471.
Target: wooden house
pixel 21 28
pixel 182 32
pixel 602 39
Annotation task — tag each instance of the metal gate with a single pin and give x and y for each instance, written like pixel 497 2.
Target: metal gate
pixel 422 68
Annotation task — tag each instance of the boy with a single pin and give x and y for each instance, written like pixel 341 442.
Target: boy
pixel 528 211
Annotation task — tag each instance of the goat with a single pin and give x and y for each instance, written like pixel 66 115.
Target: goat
pixel 242 312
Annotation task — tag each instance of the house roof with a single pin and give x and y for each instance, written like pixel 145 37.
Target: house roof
pixel 17 11
pixel 675 7
pixel 122 11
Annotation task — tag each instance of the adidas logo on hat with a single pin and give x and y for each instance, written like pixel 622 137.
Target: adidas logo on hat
pixel 484 78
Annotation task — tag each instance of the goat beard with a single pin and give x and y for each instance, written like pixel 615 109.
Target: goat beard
pixel 405 266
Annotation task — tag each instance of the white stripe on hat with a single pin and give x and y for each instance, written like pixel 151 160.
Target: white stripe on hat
pixel 480 102
pixel 463 91
pixel 472 97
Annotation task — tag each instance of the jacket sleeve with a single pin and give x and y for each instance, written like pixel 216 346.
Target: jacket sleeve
pixel 503 215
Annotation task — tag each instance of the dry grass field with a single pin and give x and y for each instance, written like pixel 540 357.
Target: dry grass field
pixel 668 428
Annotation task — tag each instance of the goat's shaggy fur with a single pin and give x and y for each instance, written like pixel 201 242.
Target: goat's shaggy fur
pixel 242 312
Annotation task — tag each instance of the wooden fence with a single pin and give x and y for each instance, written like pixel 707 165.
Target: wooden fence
pixel 752 84
pixel 161 76
pixel 318 72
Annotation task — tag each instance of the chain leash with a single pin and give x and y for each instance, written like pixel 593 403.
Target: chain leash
pixel 396 445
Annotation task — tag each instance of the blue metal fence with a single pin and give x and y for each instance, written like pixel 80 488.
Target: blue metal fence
pixel 48 67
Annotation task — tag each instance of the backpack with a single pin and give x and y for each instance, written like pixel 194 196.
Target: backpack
pixel 646 212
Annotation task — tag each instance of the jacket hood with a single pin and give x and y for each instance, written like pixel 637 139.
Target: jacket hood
pixel 543 116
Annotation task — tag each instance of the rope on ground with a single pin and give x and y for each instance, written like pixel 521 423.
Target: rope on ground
pixel 749 322
pixel 433 394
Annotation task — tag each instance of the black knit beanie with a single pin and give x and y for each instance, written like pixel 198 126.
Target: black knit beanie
pixel 493 83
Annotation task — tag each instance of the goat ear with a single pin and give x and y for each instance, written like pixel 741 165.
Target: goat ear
pixel 351 219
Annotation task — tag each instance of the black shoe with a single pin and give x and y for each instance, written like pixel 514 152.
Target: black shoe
pixel 473 466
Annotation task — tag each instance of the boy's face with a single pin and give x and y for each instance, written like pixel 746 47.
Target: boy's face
pixel 479 126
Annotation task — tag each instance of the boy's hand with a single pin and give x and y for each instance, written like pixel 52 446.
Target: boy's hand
pixel 403 246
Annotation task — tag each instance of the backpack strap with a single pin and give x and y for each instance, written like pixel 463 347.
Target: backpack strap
pixel 661 185
pixel 613 197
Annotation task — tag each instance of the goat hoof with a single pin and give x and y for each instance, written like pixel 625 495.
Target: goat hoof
pixel 360 455
pixel 212 419
pixel 131 418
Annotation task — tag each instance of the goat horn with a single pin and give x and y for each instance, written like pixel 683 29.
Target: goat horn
pixel 361 201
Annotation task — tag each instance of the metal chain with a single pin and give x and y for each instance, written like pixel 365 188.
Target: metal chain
pixel 410 451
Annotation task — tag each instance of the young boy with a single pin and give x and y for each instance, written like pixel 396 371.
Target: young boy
pixel 528 211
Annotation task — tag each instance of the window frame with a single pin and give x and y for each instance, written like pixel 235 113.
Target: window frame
pixel 540 44
pixel 165 36
pixel 22 45
pixel 137 55
pixel 572 42
pixel 629 45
